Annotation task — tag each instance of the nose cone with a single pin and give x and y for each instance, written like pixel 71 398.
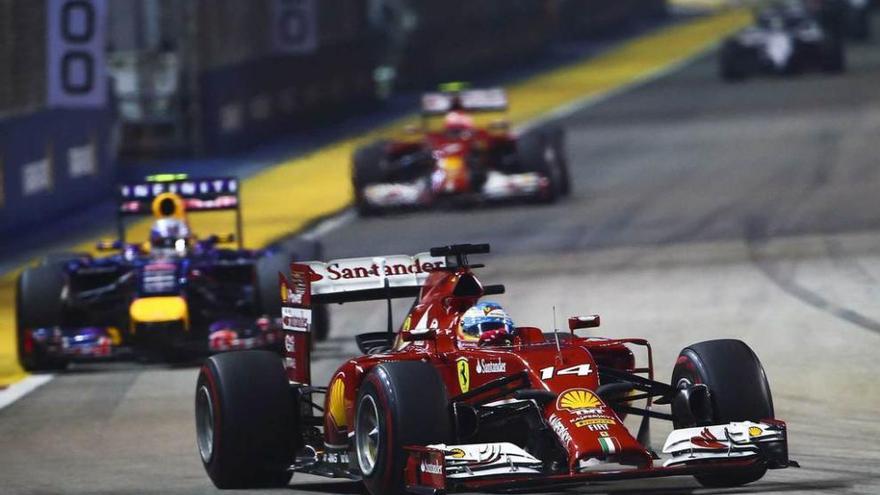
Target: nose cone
pixel 158 310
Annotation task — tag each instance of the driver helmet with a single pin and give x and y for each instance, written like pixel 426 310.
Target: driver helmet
pixel 458 121
pixel 484 317
pixel 169 236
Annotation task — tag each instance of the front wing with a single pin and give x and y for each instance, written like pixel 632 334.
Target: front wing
pixel 713 449
pixel 498 187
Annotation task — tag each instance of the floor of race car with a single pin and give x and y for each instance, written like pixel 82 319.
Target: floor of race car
pixel 701 210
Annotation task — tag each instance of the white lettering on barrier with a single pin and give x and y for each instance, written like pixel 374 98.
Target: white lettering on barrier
pixel 81 161
pixel 36 177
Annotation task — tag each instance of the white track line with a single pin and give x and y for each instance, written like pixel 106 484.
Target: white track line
pixel 329 224
pixel 21 388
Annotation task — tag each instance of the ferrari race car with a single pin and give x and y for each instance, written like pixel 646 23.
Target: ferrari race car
pixel 453 401
pixel 786 39
pixel 462 160
pixel 170 297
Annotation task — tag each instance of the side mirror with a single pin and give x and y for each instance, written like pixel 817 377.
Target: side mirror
pixel 108 245
pixel 575 322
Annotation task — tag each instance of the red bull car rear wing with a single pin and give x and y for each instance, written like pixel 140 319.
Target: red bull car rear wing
pixel 183 194
pixel 470 100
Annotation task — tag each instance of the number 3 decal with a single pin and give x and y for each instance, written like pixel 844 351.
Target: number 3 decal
pixel 579 370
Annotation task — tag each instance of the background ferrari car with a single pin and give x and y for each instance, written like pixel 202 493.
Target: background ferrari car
pixel 168 297
pixel 458 154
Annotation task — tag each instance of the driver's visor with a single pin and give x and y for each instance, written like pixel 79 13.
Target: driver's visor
pixel 479 328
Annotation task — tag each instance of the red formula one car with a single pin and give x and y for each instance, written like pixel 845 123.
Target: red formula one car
pixel 453 157
pixel 439 407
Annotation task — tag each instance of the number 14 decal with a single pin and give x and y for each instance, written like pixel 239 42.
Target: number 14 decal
pixel 579 370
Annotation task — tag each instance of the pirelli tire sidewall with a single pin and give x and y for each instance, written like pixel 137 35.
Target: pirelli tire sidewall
pixel 412 405
pixel 253 422
pixel 738 391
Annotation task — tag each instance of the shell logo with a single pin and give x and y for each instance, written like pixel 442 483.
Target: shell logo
pixel 755 431
pixel 456 453
pixel 336 408
pixel 577 399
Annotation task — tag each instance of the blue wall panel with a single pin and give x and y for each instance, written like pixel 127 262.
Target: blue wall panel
pixel 48 136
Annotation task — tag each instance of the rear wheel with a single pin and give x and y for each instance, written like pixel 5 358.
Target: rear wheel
pixel 367 169
pixel 738 391
pixel 543 153
pixel 860 23
pixel 732 62
pixel 833 56
pixel 403 403
pixel 246 428
pixel 38 304
pixel 268 296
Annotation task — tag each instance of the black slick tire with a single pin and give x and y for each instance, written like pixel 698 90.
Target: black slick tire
pixel 403 403
pixel 738 391
pixel 732 62
pixel 38 304
pixel 542 152
pixel 245 420
pixel 367 169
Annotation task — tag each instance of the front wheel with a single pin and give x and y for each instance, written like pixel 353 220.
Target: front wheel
pixel 38 304
pixel 246 428
pixel 398 404
pixel 738 391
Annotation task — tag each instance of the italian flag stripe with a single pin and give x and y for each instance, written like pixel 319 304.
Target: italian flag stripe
pixel 607 445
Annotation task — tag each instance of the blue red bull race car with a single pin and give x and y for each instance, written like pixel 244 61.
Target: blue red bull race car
pixel 173 296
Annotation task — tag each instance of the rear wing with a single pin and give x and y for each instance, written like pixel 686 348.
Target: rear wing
pixel 375 278
pixel 196 195
pixel 339 281
pixel 136 198
pixel 470 100
pixel 358 279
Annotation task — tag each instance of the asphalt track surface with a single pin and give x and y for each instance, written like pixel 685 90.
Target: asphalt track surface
pixel 700 210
